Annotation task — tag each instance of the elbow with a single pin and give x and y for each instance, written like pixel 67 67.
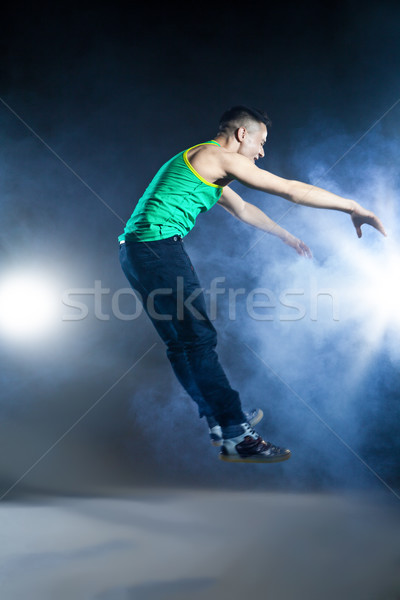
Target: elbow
pixel 292 191
pixel 241 211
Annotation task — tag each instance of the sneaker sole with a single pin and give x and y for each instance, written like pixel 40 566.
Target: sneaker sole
pixel 257 419
pixel 254 459
pixel 217 443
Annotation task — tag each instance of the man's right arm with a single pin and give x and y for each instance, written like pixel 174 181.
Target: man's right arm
pixel 252 215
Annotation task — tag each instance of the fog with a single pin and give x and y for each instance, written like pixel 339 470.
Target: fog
pixel 86 121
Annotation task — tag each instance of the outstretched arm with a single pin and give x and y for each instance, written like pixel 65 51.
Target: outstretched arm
pixel 252 215
pixel 245 171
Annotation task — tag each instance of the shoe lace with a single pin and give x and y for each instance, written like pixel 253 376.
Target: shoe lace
pixel 259 441
pixel 249 429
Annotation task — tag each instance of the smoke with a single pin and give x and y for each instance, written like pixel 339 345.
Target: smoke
pixel 321 353
pixel 313 343
pixel 326 336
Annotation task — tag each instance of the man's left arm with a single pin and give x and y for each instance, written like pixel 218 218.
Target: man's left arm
pixel 252 215
pixel 244 170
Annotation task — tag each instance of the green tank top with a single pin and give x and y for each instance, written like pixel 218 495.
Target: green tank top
pixel 172 201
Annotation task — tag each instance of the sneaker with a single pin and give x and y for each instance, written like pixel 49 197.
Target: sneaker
pixel 250 447
pixel 252 418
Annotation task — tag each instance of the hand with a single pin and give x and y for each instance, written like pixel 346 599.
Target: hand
pixel 300 247
pixel 361 216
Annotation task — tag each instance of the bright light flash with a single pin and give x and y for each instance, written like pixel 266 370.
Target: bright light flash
pixel 28 305
pixel 385 287
pixel 376 291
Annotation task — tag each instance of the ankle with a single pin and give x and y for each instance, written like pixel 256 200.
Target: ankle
pixel 232 431
pixel 212 421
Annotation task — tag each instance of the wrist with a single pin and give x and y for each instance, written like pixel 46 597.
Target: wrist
pixel 352 205
pixel 286 237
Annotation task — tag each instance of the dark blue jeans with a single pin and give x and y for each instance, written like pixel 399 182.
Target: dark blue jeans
pixel 167 285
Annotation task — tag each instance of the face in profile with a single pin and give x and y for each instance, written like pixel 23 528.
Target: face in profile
pixel 252 141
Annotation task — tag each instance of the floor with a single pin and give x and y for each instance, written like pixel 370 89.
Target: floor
pixel 200 544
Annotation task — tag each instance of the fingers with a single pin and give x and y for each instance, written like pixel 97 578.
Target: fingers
pixel 300 247
pixel 306 251
pixel 368 219
pixel 378 225
pixel 375 222
pixel 303 249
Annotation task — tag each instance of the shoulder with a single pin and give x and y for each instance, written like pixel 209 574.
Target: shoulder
pixel 204 148
pixel 212 153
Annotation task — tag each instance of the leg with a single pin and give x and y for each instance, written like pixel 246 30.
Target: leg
pixel 175 349
pixel 181 365
pixel 164 276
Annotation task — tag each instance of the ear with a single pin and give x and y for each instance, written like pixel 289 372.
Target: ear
pixel 240 133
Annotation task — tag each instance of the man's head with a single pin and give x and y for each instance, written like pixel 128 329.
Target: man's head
pixel 248 127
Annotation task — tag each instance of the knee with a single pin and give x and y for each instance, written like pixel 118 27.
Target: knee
pixel 202 343
pixel 175 348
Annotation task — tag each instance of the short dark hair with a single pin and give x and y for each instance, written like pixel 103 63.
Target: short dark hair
pixel 238 115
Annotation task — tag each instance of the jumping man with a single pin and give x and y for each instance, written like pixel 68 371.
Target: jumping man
pixel 156 264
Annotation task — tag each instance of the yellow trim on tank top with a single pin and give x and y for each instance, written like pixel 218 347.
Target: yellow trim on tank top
pixel 185 158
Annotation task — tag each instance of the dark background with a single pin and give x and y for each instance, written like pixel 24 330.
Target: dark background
pixel 95 99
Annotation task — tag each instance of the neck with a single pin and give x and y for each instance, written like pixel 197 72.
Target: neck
pixel 227 142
